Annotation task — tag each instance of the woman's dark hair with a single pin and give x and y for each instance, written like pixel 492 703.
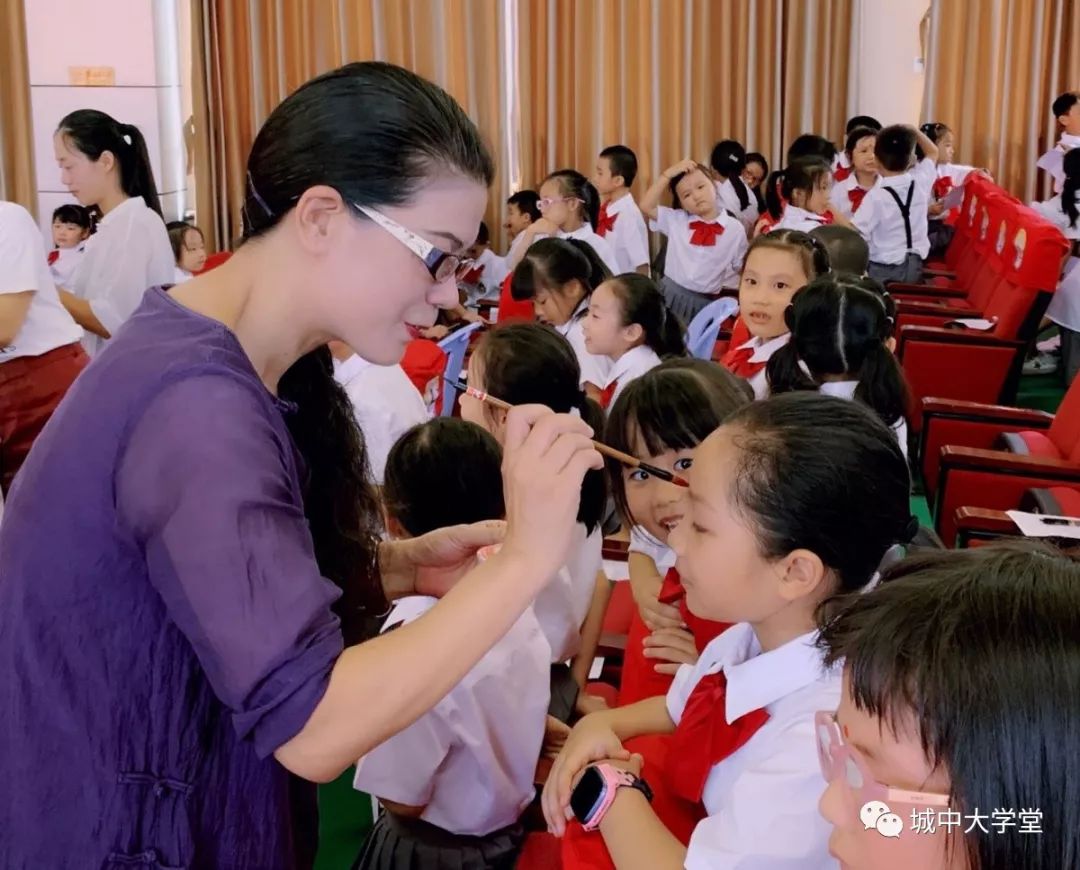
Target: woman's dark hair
pixel 862 121
pixel 72 213
pixel 803 174
pixel 93 133
pixel 531 364
pixel 674 183
pixel 811 252
pixel 981 649
pixel 728 160
pixel 674 406
pixel 1071 187
pixel 642 302
pixel 526 202
pixel 822 474
pixel 177 231
pixel 374 132
pixel 811 145
pixel 758 158
pixel 839 325
pixel 573 183
pixel 550 264
pixel 855 137
pixel 441 473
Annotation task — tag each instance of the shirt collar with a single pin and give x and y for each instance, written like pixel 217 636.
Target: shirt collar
pixel 896 181
pixel 131 204
pixel 346 371
pixel 756 679
pixel 642 353
pixel 763 350
pixel 622 204
pixel 1070 140
pixel 802 213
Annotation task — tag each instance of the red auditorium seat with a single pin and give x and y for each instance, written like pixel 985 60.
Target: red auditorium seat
pixel 215 260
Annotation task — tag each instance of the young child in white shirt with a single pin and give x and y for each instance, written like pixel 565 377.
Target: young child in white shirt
pixel 521 210
pixel 70 230
pixel 806 187
pixel 793 503
pixel 848 194
pixel 949 176
pixel 620 221
pixel 629 322
pixel 842 345
pixel 893 216
pixel 955 668
pixel 1066 110
pixel 455 782
pixel 842 167
pixel 705 245
pixel 531 364
pixel 728 161
pixel 189 248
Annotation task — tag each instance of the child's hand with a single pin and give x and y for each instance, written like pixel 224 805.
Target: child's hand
pixel 435 333
pixel 555 734
pixel 592 739
pixel 543 227
pixel 646 592
pixel 936 208
pixel 672 647
pixel 679 168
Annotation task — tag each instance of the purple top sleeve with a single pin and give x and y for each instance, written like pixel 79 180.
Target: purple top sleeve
pixel 211 493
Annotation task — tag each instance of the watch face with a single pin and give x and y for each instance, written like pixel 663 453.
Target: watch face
pixel 586 794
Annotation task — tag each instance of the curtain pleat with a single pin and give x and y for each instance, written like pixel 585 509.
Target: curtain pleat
pixel 17 179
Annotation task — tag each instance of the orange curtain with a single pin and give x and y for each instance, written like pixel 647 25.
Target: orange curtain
pixel 670 78
pixel 249 56
pixel 17 180
pixel 992 71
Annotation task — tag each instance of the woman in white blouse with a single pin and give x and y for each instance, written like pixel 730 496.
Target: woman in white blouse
pixel 104 163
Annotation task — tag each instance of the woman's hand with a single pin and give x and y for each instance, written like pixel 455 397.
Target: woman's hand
pixel 672 648
pixel 545 459
pixel 433 563
pixel 592 739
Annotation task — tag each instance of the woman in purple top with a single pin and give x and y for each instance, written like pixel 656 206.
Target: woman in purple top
pixel 194 529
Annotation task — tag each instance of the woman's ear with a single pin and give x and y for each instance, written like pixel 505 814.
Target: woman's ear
pixel 317 214
pixel 802 573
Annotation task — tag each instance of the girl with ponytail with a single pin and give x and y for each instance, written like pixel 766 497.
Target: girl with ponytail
pixel 197 524
pixel 105 165
pixel 630 323
pixel 1064 309
pixel 532 364
pixel 842 345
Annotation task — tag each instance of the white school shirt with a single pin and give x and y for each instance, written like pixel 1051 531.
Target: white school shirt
pixel 385 403
pixel 839 199
pixel 47 325
pixel 470 760
pixel 632 364
pixel 846 390
pixel 181 275
pixel 795 218
pixel 881 223
pixel 662 555
pixel 495 269
pixel 129 253
pixel 64 266
pixel 595 369
pixel 602 246
pixel 729 199
pixel 628 237
pixel 563 603
pixel 762 799
pixel 1053 160
pixel 958 174
pixel 763 351
pixel 703 269
pixel 1064 307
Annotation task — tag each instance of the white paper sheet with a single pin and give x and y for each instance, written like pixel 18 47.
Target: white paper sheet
pixel 1045 525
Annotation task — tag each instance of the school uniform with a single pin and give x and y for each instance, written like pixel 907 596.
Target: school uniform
pixel 493 269
pixel 949 176
pixel 1064 307
pixel 632 364
pixel 848 195
pixel 703 257
pixel 181 275
pixel 750 358
pixel 45 357
pixel 1053 160
pixel 469 761
pixel 622 224
pixel 795 218
pixel 595 369
pixel 603 248
pixel 385 403
pixel 772 782
pixel 842 168
pixel 846 390
pixel 893 220
pixel 728 197
pixel 129 253
pixel 63 262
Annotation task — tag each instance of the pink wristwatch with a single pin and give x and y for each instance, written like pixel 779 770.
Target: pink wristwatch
pixel 595 792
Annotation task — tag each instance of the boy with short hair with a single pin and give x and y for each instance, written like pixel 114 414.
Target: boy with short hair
pixel 848 251
pixel 1066 110
pixel 620 219
pixel 893 217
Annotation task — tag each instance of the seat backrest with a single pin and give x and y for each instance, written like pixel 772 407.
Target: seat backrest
pixel 454 346
pixel 1065 429
pixel 704 328
pixel 1035 251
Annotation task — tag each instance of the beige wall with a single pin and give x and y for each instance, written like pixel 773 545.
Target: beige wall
pixel 887 77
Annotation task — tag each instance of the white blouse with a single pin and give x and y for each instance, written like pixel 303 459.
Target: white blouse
pixel 129 253
pixel 705 269
pixel 66 262
pixel 795 218
pixel 595 369
pixel 562 605
pixel 839 197
pixel 628 237
pixel 773 782
pixel 632 364
pixel 602 246
pixel 729 199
